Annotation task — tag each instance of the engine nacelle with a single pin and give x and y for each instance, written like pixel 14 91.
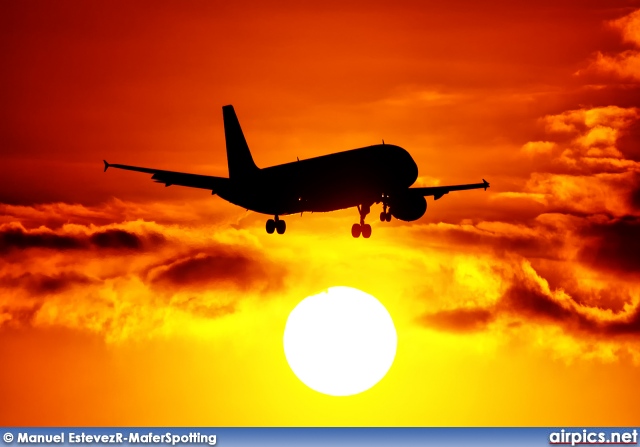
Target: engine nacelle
pixel 408 206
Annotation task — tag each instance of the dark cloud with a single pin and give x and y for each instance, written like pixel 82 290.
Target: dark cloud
pixel 459 320
pixel 630 326
pixel 614 245
pixel 19 238
pixel 243 271
pixel 39 284
pixel 116 239
pixel 634 197
pixel 16 237
pixel 526 300
pixel 629 142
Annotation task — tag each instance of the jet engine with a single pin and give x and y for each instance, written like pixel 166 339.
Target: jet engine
pixel 408 206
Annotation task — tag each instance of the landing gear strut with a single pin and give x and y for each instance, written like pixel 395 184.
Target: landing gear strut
pixel 385 216
pixel 362 228
pixel 276 225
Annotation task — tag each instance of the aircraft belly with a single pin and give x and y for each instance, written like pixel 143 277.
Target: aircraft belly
pixel 307 197
pixel 262 199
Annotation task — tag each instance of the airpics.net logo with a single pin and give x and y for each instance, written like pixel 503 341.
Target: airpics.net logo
pixel 584 437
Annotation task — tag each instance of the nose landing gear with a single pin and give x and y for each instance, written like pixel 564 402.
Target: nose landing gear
pixel 385 216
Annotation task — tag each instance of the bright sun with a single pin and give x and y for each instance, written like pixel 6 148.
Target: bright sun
pixel 340 342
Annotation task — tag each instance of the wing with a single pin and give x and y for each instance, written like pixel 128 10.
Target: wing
pixel 175 178
pixel 438 191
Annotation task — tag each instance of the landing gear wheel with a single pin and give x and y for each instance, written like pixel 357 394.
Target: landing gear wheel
pixel 388 217
pixel 356 230
pixel 383 216
pixel 366 231
pixel 281 226
pixel 271 226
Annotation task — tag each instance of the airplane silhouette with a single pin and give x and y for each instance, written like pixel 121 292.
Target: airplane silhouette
pixel 382 173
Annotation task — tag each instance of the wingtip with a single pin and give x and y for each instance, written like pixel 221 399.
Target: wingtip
pixel 106 165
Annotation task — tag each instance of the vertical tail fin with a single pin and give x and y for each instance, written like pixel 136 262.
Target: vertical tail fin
pixel 238 155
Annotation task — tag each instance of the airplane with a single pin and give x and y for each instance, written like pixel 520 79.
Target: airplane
pixel 382 173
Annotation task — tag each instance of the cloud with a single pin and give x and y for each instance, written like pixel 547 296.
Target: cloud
pixel 118 239
pixel 528 300
pixel 533 239
pixel 531 299
pixel 57 214
pixel 14 236
pixel 626 64
pixel 629 26
pixel 585 170
pixel 25 294
pixel 538 147
pixel 458 320
pixel 605 193
pixel 585 119
pixel 218 267
pixel 123 280
pixel 602 242
pixel 588 140
pixel 40 284
pixel 613 245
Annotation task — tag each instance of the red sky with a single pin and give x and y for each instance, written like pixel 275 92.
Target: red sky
pixel 506 302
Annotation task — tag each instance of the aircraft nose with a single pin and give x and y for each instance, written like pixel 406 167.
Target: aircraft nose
pixel 400 167
pixel 409 168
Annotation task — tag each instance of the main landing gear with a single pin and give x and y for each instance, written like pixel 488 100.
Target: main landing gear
pixel 276 225
pixel 362 228
pixel 365 229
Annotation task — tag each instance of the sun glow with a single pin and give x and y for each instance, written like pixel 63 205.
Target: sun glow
pixel 340 342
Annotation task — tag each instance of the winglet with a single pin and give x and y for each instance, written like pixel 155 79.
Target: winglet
pixel 106 165
pixel 486 183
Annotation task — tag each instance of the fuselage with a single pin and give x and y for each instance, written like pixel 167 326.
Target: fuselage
pixel 327 183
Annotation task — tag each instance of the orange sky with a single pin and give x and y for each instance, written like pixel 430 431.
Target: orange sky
pixel 126 303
